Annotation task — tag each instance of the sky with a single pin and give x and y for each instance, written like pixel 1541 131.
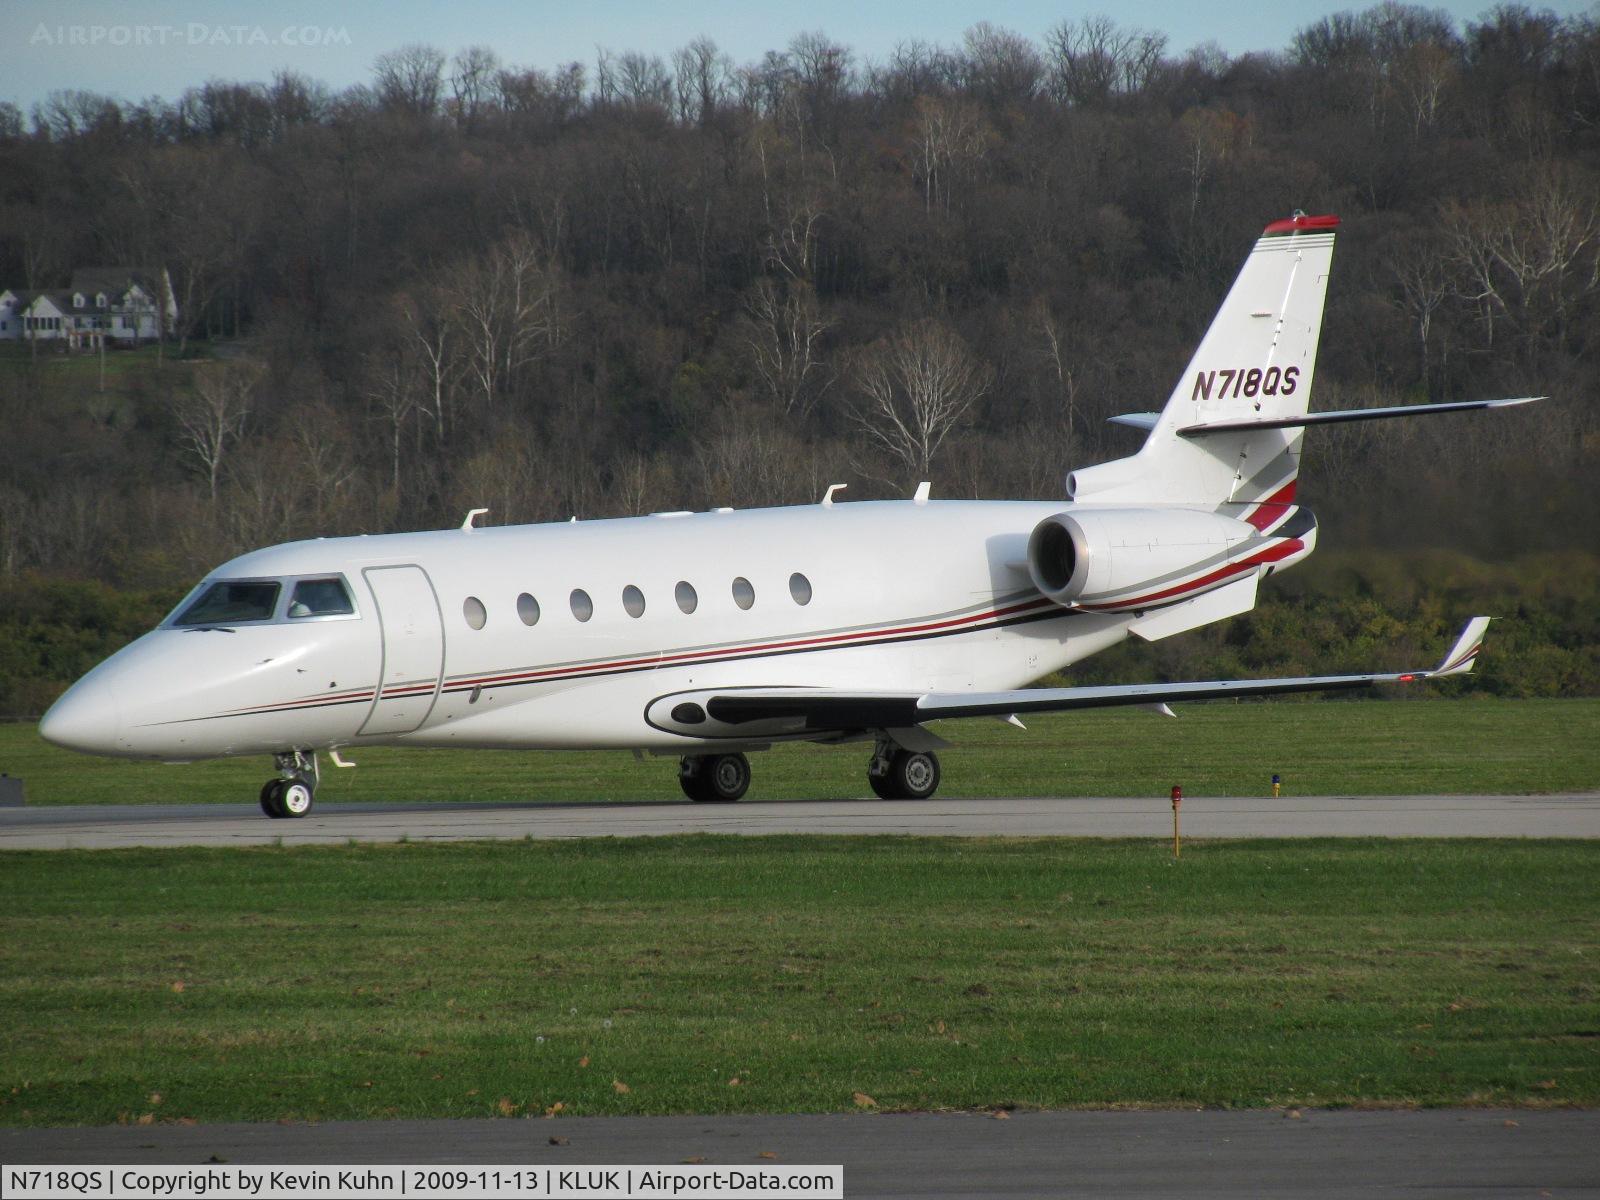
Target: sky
pixel 138 48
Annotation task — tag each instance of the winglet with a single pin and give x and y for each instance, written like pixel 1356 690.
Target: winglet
pixel 1462 655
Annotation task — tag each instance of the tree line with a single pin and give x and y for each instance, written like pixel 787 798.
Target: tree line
pixel 658 282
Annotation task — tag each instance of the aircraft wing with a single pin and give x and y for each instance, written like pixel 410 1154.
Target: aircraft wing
pixel 790 711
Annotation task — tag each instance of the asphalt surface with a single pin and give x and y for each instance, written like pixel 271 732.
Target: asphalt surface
pixel 1454 1152
pixel 94 827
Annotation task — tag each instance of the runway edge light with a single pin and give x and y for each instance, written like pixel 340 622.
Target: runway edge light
pixel 1177 799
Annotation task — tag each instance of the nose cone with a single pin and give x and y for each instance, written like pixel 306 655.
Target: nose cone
pixel 87 718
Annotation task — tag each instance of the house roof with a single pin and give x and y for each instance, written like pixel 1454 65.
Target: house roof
pixel 116 279
pixel 60 298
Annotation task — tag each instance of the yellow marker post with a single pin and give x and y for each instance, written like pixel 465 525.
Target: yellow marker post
pixel 1277 785
pixel 1177 799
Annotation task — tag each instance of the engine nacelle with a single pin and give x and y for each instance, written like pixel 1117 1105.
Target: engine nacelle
pixel 1115 559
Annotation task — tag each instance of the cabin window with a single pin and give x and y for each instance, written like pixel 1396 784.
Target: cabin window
pixel 800 588
pixel 633 601
pixel 232 603
pixel 477 615
pixel 743 594
pixel 582 606
pixel 687 598
pixel 320 598
pixel 528 609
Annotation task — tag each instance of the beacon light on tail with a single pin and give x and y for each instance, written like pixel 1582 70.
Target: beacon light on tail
pixel 706 636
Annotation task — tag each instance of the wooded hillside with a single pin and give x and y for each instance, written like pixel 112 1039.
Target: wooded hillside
pixel 647 283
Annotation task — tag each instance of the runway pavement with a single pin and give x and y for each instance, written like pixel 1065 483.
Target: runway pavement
pixel 1574 815
pixel 1196 1155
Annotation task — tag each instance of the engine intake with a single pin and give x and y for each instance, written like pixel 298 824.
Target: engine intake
pixel 1115 557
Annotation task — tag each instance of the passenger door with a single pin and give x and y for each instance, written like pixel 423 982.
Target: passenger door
pixel 413 649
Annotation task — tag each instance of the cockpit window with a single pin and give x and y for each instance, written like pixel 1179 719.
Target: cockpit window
pixel 226 603
pixel 320 598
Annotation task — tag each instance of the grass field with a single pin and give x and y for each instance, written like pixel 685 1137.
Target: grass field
pixel 793 974
pixel 1353 748
pixel 85 365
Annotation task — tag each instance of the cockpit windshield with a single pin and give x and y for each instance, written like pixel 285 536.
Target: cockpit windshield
pixel 320 598
pixel 231 603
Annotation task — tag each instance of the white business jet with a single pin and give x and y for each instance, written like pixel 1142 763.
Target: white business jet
pixel 707 635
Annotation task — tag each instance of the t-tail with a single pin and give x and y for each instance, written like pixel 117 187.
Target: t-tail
pixel 1179 533
pixel 1255 363
pixel 1229 437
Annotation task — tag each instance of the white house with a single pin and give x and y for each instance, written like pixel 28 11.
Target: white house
pixel 10 315
pixel 120 305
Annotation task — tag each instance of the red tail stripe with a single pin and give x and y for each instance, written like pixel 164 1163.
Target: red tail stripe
pixel 1271 508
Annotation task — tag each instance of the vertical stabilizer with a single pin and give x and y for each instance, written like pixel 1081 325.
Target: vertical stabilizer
pixel 1256 360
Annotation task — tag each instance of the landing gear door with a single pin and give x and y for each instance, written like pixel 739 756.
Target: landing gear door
pixel 413 649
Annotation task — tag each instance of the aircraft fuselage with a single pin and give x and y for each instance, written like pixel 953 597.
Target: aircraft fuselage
pixel 899 595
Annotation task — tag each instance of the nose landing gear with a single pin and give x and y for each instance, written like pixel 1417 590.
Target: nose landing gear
pixel 295 790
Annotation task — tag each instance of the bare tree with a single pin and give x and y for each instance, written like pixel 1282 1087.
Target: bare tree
pixel 1210 137
pixel 631 80
pixel 914 388
pixel 1528 262
pixel 259 508
pixel 1065 380
pixel 295 100
pixel 64 115
pixel 321 453
pixel 822 76
pixel 1001 67
pixel 951 137
pixel 473 81
pixel 746 463
pixel 506 305
pixel 794 224
pixel 915 68
pixel 392 389
pixel 212 418
pixel 551 99
pixel 1421 74
pixel 410 80
pixel 1418 267
pixel 783 333
pixel 702 74
pixel 1092 60
pixel 433 336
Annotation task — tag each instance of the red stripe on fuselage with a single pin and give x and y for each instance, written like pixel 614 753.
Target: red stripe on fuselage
pixel 692 657
pixel 1271 554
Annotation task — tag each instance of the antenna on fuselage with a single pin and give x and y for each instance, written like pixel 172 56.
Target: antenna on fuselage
pixel 827 496
pixel 472 516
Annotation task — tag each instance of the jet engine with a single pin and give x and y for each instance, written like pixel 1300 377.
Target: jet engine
pixel 1120 559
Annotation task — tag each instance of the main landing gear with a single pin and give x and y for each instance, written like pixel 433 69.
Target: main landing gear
pixel 295 790
pixel 899 774
pixel 714 778
pixel 894 774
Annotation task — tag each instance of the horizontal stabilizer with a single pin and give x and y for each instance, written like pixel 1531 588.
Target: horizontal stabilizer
pixel 1349 414
pixel 1144 421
